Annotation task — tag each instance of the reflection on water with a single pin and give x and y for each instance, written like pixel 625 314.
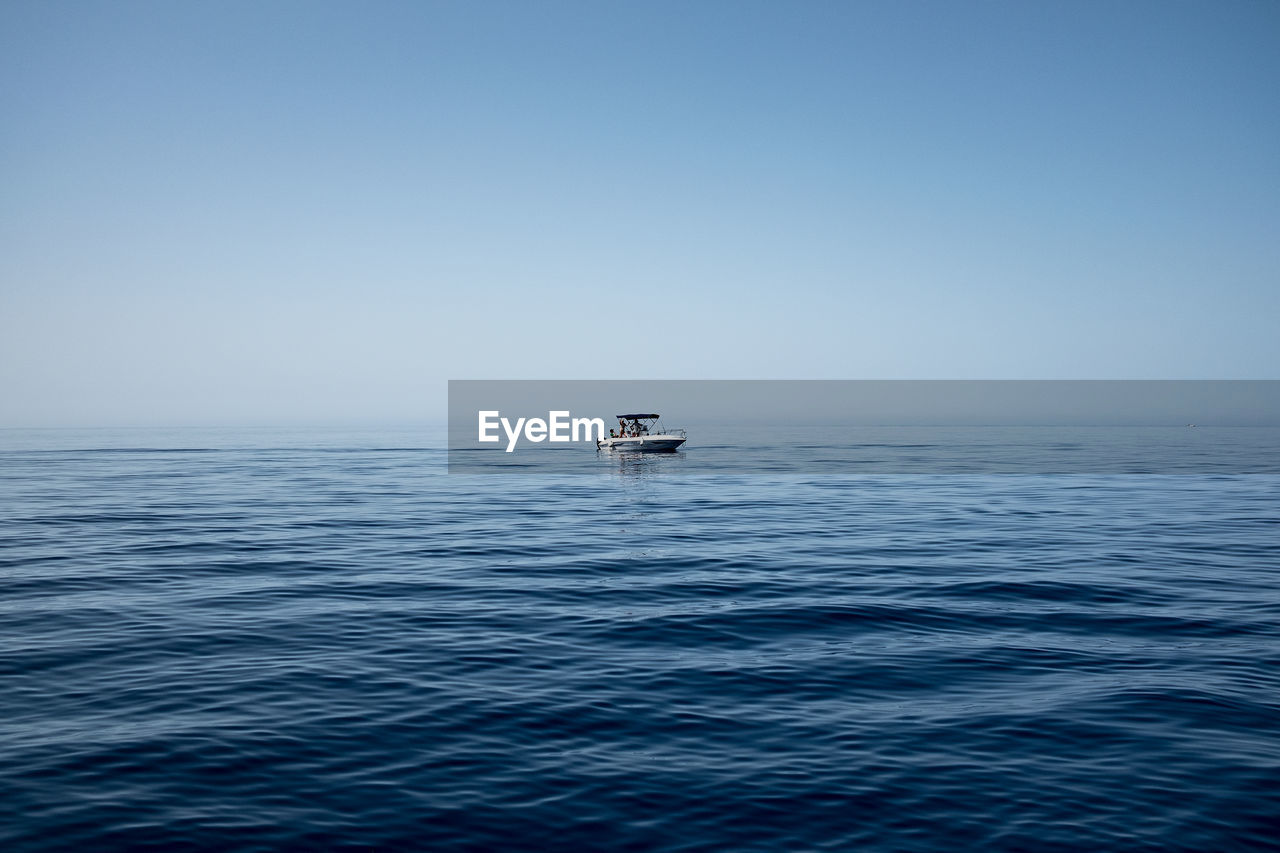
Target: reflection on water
pixel 636 465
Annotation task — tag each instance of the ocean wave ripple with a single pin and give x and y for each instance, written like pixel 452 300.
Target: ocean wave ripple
pixel 251 649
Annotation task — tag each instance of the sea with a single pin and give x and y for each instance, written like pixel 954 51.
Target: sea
pixel 315 639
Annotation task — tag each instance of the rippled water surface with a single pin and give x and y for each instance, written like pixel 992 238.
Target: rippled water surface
pixel 265 639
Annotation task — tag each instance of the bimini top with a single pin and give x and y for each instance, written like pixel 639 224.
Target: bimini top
pixel 629 417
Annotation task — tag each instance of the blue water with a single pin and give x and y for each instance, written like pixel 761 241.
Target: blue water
pixel 269 639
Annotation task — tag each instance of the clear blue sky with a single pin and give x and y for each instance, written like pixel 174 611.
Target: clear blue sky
pixel 278 212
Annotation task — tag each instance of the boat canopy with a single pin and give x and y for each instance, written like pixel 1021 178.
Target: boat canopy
pixel 632 417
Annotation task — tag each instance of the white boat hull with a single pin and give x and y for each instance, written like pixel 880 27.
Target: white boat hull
pixel 642 443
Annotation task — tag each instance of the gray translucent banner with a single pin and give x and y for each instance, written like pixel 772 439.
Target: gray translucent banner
pixel 847 427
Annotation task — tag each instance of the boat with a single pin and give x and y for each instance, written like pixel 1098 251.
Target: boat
pixel 642 432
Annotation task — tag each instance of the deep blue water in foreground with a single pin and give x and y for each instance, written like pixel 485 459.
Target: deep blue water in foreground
pixel 267 639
